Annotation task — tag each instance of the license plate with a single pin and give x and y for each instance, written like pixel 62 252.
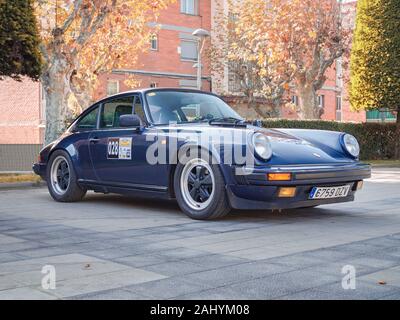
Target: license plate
pixel 329 192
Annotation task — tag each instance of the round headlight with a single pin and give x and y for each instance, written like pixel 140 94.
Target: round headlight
pixel 262 146
pixel 351 145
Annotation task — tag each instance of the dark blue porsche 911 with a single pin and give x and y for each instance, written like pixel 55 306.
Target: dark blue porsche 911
pixel 191 146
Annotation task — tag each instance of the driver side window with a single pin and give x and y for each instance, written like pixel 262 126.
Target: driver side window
pixel 113 109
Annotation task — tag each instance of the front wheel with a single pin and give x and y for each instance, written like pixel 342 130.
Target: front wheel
pixel 200 189
pixel 61 178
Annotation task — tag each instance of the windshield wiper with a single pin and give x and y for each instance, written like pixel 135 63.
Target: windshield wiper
pixel 226 120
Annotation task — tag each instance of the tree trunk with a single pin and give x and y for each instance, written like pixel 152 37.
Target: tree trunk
pixel 57 93
pixel 397 137
pixel 308 102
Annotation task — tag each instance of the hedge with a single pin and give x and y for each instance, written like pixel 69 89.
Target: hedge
pixel 377 140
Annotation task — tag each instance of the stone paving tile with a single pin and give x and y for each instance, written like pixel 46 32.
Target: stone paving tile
pixel 166 288
pixel 331 255
pixel 99 282
pixel 113 294
pixel 267 287
pixel 176 268
pixel 44 251
pixel 140 260
pixel 236 273
pixel 363 291
pixel 8 257
pixel 298 260
pixel 214 261
pixel 22 247
pixel 25 293
pixel 390 276
pixel 181 253
pixel 395 296
pixel 6 240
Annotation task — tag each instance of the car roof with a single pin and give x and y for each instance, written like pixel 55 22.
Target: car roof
pixel 145 90
pixel 142 91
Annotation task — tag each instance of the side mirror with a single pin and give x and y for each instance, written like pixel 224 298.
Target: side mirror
pixel 257 123
pixel 129 120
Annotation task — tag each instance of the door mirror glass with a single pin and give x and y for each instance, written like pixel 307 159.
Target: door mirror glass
pixel 129 120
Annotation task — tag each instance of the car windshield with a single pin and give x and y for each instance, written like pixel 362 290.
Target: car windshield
pixel 183 107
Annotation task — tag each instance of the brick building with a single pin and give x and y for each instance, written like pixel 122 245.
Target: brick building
pixel 21 112
pixel 172 54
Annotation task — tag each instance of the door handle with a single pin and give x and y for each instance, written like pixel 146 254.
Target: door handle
pixel 94 140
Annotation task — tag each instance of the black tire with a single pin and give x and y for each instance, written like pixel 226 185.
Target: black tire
pixel 73 191
pixel 219 205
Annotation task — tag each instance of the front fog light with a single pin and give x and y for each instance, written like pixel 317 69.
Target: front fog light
pixel 287 192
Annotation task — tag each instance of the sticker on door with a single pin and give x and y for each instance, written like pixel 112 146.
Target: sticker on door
pixel 119 148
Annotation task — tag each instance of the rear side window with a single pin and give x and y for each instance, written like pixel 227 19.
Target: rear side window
pixel 113 109
pixel 89 121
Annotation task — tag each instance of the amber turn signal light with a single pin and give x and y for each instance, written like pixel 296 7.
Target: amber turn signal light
pixel 360 185
pixel 279 176
pixel 287 192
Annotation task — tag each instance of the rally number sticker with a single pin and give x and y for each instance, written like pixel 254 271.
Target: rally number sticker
pixel 119 148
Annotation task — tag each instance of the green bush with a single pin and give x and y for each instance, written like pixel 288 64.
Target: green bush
pixel 377 140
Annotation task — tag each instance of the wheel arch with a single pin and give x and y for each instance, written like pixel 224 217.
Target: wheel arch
pixel 70 150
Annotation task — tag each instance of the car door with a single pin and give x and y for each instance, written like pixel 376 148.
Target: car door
pixel 81 132
pixel 118 154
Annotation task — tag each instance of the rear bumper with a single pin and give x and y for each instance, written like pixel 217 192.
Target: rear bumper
pixel 40 170
pixel 254 191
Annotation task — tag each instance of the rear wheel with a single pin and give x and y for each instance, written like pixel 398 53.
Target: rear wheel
pixel 61 178
pixel 200 188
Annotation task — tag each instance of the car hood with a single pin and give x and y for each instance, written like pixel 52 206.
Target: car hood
pixel 288 148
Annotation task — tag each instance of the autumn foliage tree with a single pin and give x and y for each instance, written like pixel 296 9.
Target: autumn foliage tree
pixel 375 59
pixel 242 47
pixel 292 41
pixel 82 39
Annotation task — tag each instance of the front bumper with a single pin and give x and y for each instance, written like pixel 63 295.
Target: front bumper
pixel 40 170
pixel 254 191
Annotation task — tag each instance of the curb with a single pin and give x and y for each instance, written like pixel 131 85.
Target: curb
pixel 383 166
pixel 22 185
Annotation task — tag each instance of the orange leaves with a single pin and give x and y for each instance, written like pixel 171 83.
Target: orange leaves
pixel 96 35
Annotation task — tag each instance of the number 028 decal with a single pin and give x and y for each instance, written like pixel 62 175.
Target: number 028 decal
pixel 119 148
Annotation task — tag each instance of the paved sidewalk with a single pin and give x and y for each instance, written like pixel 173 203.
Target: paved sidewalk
pixel 113 247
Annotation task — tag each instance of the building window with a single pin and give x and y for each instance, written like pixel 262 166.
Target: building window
pixel 321 101
pixel 153 85
pixel 188 50
pixel 234 83
pixel 189 7
pixel 339 108
pixel 188 84
pixel 154 42
pixel 338 103
pixel 295 100
pixel 112 87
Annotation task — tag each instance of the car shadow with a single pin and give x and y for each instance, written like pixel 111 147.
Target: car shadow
pixel 170 208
